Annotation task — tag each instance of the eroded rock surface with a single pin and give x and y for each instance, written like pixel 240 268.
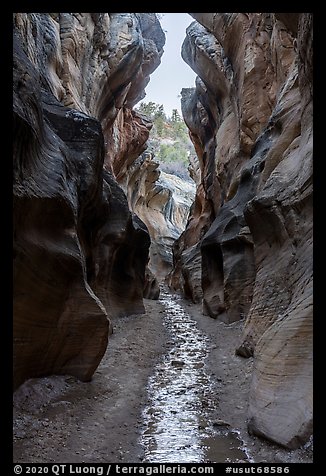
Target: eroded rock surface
pixel 247 249
pixel 281 407
pixel 79 253
pixel 163 202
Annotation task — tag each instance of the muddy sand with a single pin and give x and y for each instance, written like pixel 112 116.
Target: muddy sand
pixel 171 360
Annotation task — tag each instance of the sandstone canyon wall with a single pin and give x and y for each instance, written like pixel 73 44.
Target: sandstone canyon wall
pixel 79 253
pixel 247 249
pixel 163 202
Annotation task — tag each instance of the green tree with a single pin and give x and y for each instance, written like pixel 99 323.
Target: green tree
pixel 169 139
pixel 173 153
pixel 148 109
pixel 175 116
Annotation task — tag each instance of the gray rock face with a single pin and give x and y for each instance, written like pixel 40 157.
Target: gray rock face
pixel 79 253
pixel 250 229
pixel 281 407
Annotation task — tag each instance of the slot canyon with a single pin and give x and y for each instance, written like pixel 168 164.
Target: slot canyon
pixel 158 319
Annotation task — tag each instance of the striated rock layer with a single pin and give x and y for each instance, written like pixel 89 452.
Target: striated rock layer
pixel 247 249
pixel 163 202
pixel 79 253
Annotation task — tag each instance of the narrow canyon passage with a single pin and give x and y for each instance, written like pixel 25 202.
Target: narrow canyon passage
pixel 163 268
pixel 152 399
pixel 178 418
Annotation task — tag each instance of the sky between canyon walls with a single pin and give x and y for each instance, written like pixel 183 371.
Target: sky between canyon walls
pixel 173 74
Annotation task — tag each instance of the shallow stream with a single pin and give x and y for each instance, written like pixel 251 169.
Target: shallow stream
pixel 178 425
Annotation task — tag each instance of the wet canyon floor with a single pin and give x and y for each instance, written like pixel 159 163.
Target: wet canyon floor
pixel 169 389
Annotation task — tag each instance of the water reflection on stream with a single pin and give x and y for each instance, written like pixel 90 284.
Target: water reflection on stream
pixel 177 426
